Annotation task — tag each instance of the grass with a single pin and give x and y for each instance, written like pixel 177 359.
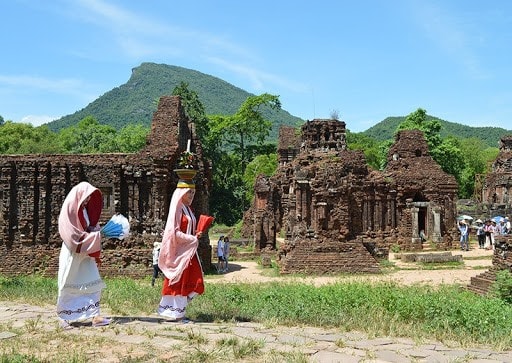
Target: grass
pixel 446 313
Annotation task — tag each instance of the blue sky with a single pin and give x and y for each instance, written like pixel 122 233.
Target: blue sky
pixel 364 60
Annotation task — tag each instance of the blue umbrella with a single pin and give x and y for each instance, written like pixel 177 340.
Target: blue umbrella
pixel 497 219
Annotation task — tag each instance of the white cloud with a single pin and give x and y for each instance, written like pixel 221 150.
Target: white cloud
pixel 37 120
pixel 258 78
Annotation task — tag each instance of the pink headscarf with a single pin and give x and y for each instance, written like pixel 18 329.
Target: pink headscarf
pixel 177 247
pixel 72 228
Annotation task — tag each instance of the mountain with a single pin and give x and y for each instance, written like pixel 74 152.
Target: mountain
pixel 135 101
pixel 385 130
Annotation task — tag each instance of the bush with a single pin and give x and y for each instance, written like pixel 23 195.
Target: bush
pixel 502 288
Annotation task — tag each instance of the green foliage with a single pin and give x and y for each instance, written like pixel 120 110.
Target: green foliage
pixel 449 155
pixel 373 151
pixel 88 137
pixel 237 139
pixel 20 138
pixel 194 109
pixel 502 288
pixel 418 120
pixel 261 164
pixel 247 126
pixel 227 189
pixel 131 138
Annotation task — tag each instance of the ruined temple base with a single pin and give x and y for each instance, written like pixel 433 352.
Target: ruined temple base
pixel 328 258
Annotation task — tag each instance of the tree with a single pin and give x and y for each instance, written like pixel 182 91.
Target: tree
pixel 477 160
pixel 194 109
pixel 371 148
pixel 131 138
pixel 21 138
pixel 88 137
pixel 265 164
pixel 247 125
pixel 236 140
pixel 417 120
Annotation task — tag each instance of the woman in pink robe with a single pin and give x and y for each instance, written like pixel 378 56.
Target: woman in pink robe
pixel 178 260
pixel 79 279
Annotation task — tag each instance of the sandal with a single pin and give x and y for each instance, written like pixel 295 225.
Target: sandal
pixel 186 321
pixel 102 322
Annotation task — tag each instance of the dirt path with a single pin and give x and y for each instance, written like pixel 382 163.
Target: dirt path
pixel 475 261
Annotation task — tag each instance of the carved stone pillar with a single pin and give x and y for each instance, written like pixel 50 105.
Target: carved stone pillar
pixel 436 235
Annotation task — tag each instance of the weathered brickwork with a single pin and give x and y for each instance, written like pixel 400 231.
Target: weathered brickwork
pixel 501 260
pixel 497 186
pixel 140 185
pixel 496 200
pixel 338 215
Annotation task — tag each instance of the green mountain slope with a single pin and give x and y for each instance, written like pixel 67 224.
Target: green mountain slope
pixel 135 101
pixel 385 130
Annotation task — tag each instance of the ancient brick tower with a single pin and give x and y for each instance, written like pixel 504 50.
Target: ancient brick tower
pixel 336 214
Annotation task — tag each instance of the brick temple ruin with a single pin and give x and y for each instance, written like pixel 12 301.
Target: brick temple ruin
pixel 497 186
pixel 139 185
pixel 496 200
pixel 338 215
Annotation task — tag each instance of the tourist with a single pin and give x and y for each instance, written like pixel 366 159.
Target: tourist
pixel 502 227
pixel 226 253
pixel 464 235
pixel 156 254
pixel 497 226
pixel 179 262
pixel 480 233
pixel 79 280
pixel 221 265
pixel 489 238
pixel 507 226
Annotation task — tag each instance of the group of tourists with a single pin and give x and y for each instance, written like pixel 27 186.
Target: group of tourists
pixel 79 281
pixel 222 254
pixel 486 231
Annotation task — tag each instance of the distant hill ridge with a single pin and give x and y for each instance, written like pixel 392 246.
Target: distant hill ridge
pixel 491 136
pixel 135 102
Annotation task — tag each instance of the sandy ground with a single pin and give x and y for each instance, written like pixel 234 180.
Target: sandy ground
pixel 476 261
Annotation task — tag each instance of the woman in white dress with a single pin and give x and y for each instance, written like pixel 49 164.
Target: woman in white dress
pixel 79 280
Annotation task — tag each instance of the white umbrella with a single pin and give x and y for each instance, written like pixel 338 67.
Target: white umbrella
pixel 465 217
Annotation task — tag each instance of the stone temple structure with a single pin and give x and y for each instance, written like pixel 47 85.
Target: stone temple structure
pixel 140 186
pixel 496 200
pixel 497 186
pixel 336 214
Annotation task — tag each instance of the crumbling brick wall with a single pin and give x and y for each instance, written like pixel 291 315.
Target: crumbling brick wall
pixel 139 185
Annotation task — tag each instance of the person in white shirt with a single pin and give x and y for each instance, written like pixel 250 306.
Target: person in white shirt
pixel 226 253
pixel 221 265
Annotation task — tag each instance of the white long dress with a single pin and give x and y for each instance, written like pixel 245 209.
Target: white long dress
pixel 79 285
